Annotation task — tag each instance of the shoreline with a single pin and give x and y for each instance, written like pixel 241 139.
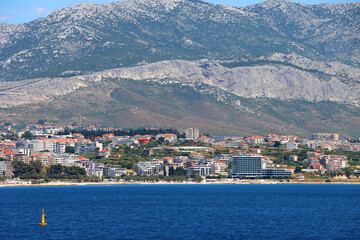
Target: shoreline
pixel 68 184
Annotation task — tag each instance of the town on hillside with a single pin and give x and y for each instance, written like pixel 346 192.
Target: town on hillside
pixel 55 154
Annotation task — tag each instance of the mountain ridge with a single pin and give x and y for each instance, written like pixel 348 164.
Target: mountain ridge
pixel 126 33
pixel 299 81
pixel 253 63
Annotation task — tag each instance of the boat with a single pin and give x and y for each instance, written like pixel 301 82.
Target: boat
pixel 43 223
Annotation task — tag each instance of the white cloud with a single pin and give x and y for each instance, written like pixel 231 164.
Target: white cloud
pixel 41 11
pixel 4 18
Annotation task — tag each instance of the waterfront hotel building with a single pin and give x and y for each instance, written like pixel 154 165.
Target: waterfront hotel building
pixel 252 166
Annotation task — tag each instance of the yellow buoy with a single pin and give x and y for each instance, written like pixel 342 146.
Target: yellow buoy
pixel 43 223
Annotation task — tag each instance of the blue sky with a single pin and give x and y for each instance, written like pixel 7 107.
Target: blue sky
pixel 20 11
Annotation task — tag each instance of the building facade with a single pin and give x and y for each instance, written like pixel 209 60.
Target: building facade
pixel 253 166
pixel 5 169
pixel 192 133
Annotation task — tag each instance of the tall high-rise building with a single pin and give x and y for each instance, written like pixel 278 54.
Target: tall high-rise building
pixel 247 166
pixel 252 166
pixel 192 133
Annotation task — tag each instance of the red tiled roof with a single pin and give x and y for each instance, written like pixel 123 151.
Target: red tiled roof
pixel 219 162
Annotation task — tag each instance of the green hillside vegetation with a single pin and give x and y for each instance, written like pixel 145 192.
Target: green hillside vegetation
pixel 35 170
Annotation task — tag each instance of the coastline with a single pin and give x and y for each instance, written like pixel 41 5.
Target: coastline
pixel 67 184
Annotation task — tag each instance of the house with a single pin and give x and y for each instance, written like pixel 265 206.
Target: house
pixel 56 160
pixel 204 139
pixel 43 158
pixel 255 150
pixel 293 158
pixel 5 169
pixel 168 160
pixel 104 153
pixel 148 168
pixel 314 160
pixel 108 137
pixel 130 172
pixel 149 137
pixel 333 166
pixel 291 145
pixel 243 145
pixel 199 170
pixel 254 140
pixel 22 158
pixel 169 137
pixel 124 140
pixel 317 166
pixel 78 136
pixel 143 140
pixel 192 133
pixel 7 153
pixel 218 167
pixel 98 172
pixel 86 146
pixel 191 163
pixel 226 158
pixel 148 152
pixel 116 172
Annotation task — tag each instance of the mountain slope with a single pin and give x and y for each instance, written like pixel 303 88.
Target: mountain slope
pixel 90 37
pixel 276 66
pixel 329 29
pixel 277 77
pixel 130 103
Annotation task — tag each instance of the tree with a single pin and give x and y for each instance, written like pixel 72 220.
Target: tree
pixel 298 169
pixel 197 178
pixel 69 149
pixel 37 166
pixel 171 171
pixel 180 172
pixel 28 135
pixel 25 171
pixel 277 144
pixel 55 169
pixel 348 172
pixel 181 135
pixel 41 121
pixel 161 140
pixel 11 136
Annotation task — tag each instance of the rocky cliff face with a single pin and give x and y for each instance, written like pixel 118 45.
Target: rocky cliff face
pixel 303 79
pixel 316 25
pixel 271 81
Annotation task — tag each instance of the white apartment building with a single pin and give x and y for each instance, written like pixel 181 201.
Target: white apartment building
pixel 192 133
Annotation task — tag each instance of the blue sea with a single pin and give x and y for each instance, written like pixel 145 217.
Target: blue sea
pixel 182 212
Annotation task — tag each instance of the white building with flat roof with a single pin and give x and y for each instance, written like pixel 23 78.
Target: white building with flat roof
pixel 192 133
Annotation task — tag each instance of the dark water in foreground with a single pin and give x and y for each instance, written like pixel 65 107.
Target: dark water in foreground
pixel 182 212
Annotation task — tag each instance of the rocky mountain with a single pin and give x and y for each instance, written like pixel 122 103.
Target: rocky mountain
pixel 91 37
pixel 284 77
pixel 316 26
pixel 253 63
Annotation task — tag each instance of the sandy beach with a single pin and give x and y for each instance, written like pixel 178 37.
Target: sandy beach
pixel 54 184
